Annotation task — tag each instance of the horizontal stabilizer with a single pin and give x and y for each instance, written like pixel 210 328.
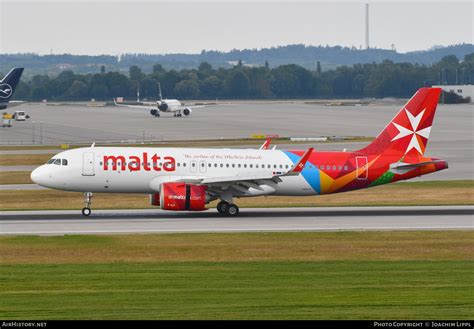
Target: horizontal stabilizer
pixel 402 167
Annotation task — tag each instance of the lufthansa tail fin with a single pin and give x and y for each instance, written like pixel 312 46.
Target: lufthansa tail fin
pixel 9 83
pixel 408 132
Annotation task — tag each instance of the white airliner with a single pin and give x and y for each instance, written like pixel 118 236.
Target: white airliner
pixel 164 105
pixel 187 179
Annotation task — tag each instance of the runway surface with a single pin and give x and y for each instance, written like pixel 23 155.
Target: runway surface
pixel 21 187
pixel 249 220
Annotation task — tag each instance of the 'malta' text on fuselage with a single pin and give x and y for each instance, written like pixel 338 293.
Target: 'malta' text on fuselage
pixel 135 163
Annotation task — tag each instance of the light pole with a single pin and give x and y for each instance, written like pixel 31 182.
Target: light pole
pixel 33 130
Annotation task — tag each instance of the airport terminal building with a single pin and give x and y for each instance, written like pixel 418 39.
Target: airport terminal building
pixel 461 90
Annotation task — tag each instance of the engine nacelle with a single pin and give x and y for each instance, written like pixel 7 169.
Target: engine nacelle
pixel 182 196
pixel 187 111
pixel 155 199
pixel 163 106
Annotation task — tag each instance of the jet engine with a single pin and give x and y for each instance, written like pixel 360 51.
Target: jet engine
pixel 182 196
pixel 187 111
pixel 162 106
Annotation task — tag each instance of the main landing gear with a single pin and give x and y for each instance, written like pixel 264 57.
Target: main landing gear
pixel 86 211
pixel 228 209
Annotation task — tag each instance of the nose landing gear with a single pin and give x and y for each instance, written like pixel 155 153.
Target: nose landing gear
pixel 86 211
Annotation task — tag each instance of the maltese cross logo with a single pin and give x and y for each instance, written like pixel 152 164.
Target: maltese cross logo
pixel 415 142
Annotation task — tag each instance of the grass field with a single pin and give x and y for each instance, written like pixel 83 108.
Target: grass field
pixel 24 159
pixel 350 275
pixel 15 177
pixel 406 193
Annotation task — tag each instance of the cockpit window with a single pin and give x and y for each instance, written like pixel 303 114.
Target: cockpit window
pixel 64 162
pixel 57 162
pixel 50 161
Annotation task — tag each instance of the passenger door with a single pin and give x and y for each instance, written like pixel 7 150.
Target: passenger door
pixel 88 164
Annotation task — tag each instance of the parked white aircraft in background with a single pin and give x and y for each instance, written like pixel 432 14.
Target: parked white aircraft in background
pixel 164 105
pixel 187 179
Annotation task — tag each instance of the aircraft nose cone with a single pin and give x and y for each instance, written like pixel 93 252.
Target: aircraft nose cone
pixel 39 176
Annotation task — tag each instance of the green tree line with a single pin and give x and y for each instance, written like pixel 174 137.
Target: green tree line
pixel 386 79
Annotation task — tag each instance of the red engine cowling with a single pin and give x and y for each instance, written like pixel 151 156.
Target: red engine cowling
pixel 155 199
pixel 182 196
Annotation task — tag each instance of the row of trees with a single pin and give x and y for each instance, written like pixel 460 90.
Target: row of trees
pixel 286 81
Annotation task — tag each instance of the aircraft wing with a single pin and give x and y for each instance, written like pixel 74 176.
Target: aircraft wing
pixel 243 183
pixel 148 107
pixel 189 107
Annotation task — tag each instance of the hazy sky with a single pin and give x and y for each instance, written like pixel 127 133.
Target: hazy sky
pixel 115 27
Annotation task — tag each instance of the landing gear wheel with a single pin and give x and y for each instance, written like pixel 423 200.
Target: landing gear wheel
pixel 232 210
pixel 86 211
pixel 222 206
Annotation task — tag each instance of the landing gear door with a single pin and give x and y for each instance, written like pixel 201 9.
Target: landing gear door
pixel 88 164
